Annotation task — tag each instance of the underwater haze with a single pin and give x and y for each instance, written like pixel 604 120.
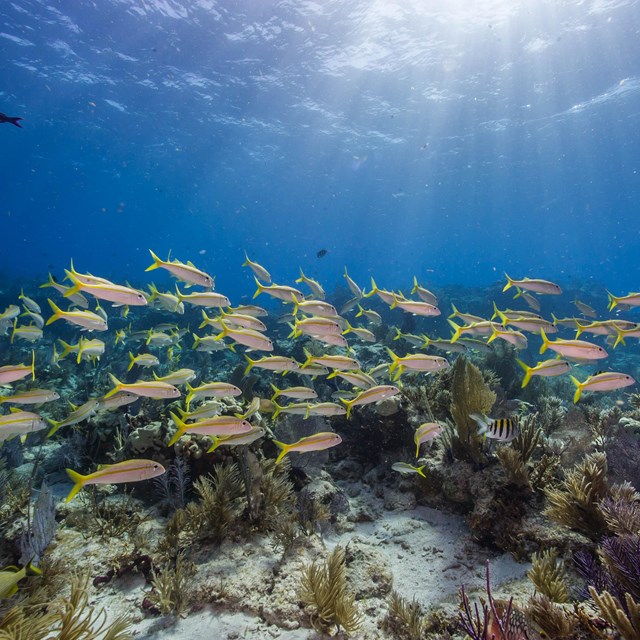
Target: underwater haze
pixel 319 318
pixel 452 140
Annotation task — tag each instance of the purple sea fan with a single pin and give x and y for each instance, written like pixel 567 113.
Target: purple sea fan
pixel 621 557
pixel 588 566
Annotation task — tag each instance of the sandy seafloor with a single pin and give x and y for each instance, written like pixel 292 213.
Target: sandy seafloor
pixel 252 588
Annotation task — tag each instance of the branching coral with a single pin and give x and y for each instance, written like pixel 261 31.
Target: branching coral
pixel 515 470
pixel 602 422
pixel 278 497
pixel 41 527
pixel 431 399
pixel 251 470
pixel 551 412
pixel 323 587
pixel 621 559
pixel 547 575
pixel 107 516
pixel 543 471
pixel 621 509
pixel 69 618
pixel 515 457
pixel 625 618
pixel 177 535
pixel 171 592
pixel 527 441
pixel 634 400
pixel 552 619
pixel 285 530
pixel 221 502
pixel 174 485
pixel 405 618
pixel 576 502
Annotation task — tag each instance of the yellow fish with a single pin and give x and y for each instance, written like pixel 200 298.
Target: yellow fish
pixel 10 576
pixel 316 442
pixel 127 471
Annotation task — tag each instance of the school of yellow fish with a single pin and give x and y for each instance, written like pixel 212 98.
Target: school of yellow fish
pixel 312 318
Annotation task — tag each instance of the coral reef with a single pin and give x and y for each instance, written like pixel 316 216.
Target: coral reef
pixel 174 485
pixel 515 458
pixel 107 516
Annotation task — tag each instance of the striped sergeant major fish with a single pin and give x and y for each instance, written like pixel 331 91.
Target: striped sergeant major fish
pixel 504 429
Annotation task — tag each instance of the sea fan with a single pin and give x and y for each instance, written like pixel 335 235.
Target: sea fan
pixel 621 557
pixel 41 527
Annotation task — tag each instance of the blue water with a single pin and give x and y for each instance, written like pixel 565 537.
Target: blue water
pixel 453 140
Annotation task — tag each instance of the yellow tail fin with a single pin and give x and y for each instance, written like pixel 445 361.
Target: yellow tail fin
pixel 157 263
pixel 578 393
pixel 285 449
pixel 395 360
pixel 349 404
pixel 57 312
pixel 77 285
pixel 260 288
pixel 250 364
pixel 457 330
pixel 117 385
pixel 79 481
pixel 545 341
pixel 527 373
pixel 509 283
pixel 182 427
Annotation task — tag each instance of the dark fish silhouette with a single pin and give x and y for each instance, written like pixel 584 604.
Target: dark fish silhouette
pixel 10 119
pixel 322 253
